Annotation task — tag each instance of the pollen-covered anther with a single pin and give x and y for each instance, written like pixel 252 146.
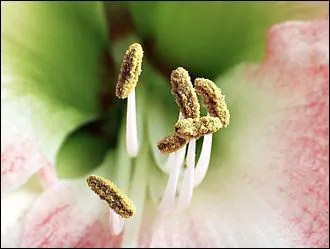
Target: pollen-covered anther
pixel 130 71
pixel 197 127
pixel 109 192
pixel 184 93
pixel 171 143
pixel 213 99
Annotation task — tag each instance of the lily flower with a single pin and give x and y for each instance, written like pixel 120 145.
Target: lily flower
pixel 267 180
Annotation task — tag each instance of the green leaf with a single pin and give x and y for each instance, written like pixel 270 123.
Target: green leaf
pixel 51 57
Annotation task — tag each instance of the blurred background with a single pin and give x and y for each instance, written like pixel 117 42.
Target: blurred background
pixel 65 56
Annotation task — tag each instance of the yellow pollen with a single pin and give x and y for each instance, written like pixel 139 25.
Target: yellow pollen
pixel 214 100
pixel 171 143
pixel 109 192
pixel 197 127
pixel 130 71
pixel 184 93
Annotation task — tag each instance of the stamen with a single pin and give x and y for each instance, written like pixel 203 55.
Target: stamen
pixel 213 99
pixel 204 160
pixel 188 177
pixel 171 143
pixel 109 192
pixel 197 127
pixel 167 202
pixel 132 144
pixel 171 157
pixel 116 223
pixel 168 163
pixel 130 71
pixel 185 93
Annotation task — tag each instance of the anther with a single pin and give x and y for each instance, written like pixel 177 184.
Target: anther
pixel 213 99
pixel 130 71
pixel 109 192
pixel 197 127
pixel 171 143
pixel 184 93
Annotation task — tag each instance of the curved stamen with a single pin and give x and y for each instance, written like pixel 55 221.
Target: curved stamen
pixel 197 127
pixel 171 157
pixel 188 177
pixel 109 192
pixel 167 202
pixel 132 144
pixel 213 99
pixel 204 160
pixel 116 223
pixel 172 143
pixel 185 94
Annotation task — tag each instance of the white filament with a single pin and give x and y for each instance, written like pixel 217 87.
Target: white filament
pixel 169 162
pixel 192 176
pixel 188 177
pixel 132 145
pixel 204 160
pixel 167 202
pixel 116 223
pixel 171 157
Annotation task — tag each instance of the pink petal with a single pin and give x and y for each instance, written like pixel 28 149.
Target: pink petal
pixel 301 144
pixel 298 53
pixel 20 153
pixel 47 176
pixel 183 230
pixel 68 215
pixel 18 162
pixel 20 159
pixel 271 186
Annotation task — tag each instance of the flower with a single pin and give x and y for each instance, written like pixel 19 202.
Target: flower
pixel 267 184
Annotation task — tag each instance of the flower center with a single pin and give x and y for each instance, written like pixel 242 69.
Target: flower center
pixel 180 146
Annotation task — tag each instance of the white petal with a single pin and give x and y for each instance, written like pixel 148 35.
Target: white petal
pixel 13 208
pixel 137 193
